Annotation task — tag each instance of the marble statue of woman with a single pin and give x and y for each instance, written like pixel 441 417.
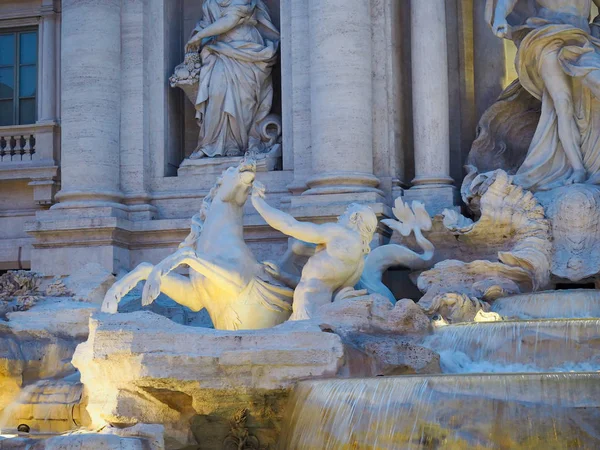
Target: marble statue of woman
pixel 238 45
pixel 558 62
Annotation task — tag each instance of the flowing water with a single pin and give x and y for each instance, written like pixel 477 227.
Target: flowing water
pixel 48 406
pixel 574 304
pixel 531 383
pixel 555 345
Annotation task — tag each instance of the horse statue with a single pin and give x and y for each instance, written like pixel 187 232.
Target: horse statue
pixel 224 276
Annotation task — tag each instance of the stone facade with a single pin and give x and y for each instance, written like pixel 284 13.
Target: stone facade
pixel 368 115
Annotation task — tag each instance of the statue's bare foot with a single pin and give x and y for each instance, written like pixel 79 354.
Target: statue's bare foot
pixel 197 154
pixel 578 176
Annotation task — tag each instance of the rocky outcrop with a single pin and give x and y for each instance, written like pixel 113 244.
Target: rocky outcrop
pixel 374 314
pixel 39 343
pixel 142 437
pixel 144 368
pixel 380 338
pixel 90 283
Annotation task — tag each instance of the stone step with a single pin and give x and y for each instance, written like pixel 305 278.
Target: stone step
pixel 548 345
pixel 567 304
pixel 516 411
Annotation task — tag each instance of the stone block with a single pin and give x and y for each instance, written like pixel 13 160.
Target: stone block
pixel 90 283
pixel 144 368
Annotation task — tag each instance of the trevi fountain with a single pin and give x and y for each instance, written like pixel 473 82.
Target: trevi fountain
pixel 431 317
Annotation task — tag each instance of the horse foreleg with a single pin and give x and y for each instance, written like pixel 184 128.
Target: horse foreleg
pixel 208 269
pixel 175 286
pixel 181 290
pixel 122 287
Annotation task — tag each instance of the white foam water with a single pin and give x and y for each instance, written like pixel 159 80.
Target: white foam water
pixel 557 345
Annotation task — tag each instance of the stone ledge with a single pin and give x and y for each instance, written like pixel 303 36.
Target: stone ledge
pixel 144 368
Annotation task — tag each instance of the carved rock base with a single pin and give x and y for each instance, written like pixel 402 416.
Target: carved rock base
pixel 574 212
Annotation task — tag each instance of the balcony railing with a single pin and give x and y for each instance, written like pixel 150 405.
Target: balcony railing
pixel 31 152
pixel 17 145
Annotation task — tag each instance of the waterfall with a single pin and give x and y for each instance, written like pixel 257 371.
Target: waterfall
pixel 555 345
pixel 47 406
pixel 517 411
pixel 530 383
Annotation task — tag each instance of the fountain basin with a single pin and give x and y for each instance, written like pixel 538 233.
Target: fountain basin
pixel 550 345
pixel 516 411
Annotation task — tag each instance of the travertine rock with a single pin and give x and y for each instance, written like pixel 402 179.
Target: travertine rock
pixel 87 441
pixel 480 279
pixel 374 314
pixel 380 338
pixel 513 223
pixel 144 368
pixel 456 308
pixel 57 288
pixel 40 342
pixel 90 283
pixel 574 212
pixel 16 283
pixel 388 355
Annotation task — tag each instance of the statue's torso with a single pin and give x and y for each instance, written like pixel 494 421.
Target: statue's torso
pixel 580 8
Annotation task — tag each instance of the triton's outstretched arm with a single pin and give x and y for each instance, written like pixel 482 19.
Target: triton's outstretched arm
pixel 305 231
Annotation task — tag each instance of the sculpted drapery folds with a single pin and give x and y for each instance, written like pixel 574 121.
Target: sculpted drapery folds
pixel 558 62
pixel 238 46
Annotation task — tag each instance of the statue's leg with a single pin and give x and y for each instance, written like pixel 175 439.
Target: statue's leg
pixel 123 286
pixel 559 88
pixel 308 298
pixel 175 286
pixel 217 274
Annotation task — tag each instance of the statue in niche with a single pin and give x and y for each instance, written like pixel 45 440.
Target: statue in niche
pixel 559 64
pixel 339 258
pixel 227 75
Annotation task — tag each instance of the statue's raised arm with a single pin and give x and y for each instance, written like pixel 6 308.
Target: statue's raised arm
pixel 496 12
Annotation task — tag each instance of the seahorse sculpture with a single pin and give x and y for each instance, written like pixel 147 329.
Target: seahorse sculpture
pixel 410 220
pixel 225 277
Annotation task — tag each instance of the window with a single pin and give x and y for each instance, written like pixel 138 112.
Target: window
pixel 18 77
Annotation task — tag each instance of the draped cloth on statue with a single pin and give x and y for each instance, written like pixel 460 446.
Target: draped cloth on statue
pixel 546 165
pixel 236 91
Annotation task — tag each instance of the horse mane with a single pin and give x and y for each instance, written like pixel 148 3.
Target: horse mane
pixel 198 219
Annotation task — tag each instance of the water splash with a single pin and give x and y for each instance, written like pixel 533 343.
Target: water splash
pixel 557 345
pixel 537 411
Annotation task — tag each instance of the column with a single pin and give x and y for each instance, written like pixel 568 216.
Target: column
pixel 432 183
pixel 90 103
pixel 341 98
pixel 49 72
pixel 86 225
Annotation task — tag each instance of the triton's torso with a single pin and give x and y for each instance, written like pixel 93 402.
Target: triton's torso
pixel 579 8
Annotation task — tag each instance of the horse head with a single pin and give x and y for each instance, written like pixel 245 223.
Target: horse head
pixel 236 182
